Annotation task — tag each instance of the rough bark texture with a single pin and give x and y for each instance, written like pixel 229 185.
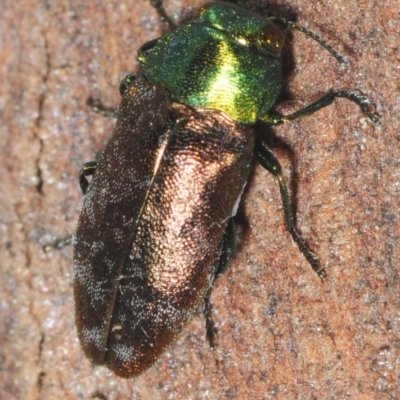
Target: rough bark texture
pixel 281 332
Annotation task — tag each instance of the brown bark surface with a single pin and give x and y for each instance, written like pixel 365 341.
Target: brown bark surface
pixel 281 332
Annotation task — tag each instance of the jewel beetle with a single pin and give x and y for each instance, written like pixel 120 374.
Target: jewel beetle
pixel 156 228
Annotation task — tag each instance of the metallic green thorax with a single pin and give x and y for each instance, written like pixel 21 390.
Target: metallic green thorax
pixel 227 59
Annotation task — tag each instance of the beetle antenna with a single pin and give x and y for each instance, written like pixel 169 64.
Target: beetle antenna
pixel 312 35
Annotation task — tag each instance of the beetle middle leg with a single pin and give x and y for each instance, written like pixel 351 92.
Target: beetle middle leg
pixel 227 250
pixel 87 169
pixel 268 160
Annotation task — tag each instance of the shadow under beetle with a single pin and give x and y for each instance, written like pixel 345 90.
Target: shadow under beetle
pixel 156 227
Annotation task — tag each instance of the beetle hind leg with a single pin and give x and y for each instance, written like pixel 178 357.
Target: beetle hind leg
pixel 227 249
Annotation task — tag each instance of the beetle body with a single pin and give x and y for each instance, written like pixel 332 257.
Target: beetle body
pixel 150 234
pixel 156 226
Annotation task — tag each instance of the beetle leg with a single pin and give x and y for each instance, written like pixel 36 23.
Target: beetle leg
pixel 227 249
pixel 58 244
pixel 356 96
pixel 207 312
pixel 100 108
pixel 268 160
pixel 87 169
pixel 98 105
pixel 159 7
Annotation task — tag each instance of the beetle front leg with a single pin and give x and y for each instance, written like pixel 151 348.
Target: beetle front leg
pixel 268 160
pixel 159 7
pixel 87 169
pixel 356 96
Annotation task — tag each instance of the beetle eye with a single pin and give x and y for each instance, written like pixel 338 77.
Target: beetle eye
pixel 271 38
